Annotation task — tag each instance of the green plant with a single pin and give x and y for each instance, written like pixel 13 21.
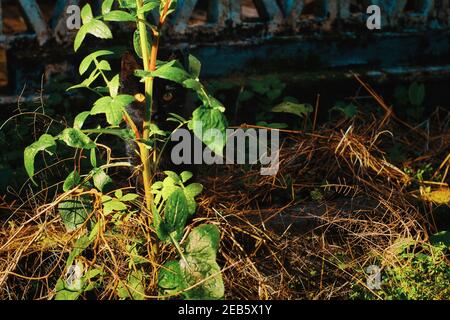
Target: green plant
pixel 349 110
pixel 411 99
pixel 416 272
pixel 424 172
pixel 168 203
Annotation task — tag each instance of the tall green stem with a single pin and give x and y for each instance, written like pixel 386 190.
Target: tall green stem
pixel 144 153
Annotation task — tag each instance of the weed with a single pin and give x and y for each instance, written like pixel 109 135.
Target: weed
pixel 168 203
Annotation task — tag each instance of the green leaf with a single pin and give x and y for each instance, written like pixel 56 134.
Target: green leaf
pixel 200 254
pixel 204 119
pixel 75 138
pixel 175 213
pixel 129 197
pixel 192 84
pixel 81 244
pixel 113 108
pixel 199 267
pixel 137 44
pixel 160 227
pixel 195 67
pixel 210 102
pixel 79 38
pixel 297 109
pixel 119 16
pixel 349 110
pixel 86 13
pixel 203 242
pixel 171 70
pixel 87 82
pixel 416 94
pixel 111 204
pixel 157 185
pixel 104 66
pixel 93 158
pixel 106 6
pixel 98 29
pixel 134 287
pixel 176 118
pixel 95 27
pixel 149 6
pixel 92 273
pixel 125 134
pixel 114 86
pixel 172 175
pixel 168 187
pixel 170 279
pixel 87 61
pixel 63 293
pixel 186 175
pixel 119 194
pixel 207 277
pixel 74 212
pixel 72 180
pixel 101 179
pixel 80 119
pixel 127 4
pixel 270 86
pixel 46 142
pixel 156 131
pixel 191 191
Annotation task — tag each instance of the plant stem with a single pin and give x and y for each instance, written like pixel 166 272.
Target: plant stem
pixel 144 152
pixel 180 251
pixel 149 60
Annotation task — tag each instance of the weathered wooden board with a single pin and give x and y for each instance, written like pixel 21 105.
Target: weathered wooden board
pixel 238 36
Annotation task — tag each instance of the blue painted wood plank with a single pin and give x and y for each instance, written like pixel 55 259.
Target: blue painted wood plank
pixel 36 19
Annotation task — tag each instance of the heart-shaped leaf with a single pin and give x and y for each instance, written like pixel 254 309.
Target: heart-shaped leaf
pixel 46 142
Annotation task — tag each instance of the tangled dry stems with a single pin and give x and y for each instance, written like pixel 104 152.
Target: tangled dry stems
pixel 277 242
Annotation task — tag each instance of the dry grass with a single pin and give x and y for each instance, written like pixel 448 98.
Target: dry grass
pixel 277 242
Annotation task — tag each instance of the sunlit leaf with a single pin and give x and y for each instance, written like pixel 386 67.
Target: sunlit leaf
pixel 106 6
pixel 87 61
pixel 75 138
pixel 170 279
pixel 46 142
pixel 113 108
pixel 205 123
pixel 80 119
pixel 119 16
pixel 86 13
pixel 195 66
pixel 101 179
pixel 72 180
